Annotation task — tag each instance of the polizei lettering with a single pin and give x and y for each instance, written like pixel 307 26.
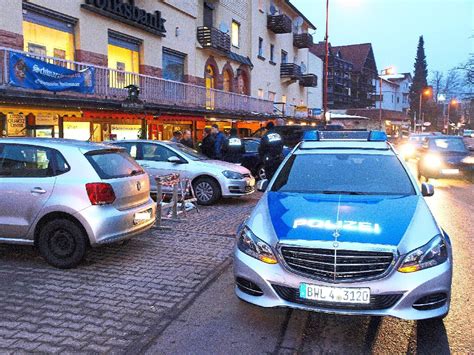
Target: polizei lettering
pixel 128 12
pixel 365 227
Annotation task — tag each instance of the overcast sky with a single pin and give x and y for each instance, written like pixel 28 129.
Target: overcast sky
pixel 393 28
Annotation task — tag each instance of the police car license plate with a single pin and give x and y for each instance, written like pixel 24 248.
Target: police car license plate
pixel 335 294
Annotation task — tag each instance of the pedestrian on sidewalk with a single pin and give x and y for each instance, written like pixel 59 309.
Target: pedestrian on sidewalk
pixel 177 135
pixel 187 140
pixel 207 144
pixel 219 139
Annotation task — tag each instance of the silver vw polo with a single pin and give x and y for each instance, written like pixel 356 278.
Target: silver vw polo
pixel 64 195
pixel 343 228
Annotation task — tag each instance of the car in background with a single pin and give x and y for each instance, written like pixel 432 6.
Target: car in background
pixel 291 134
pixel 343 228
pixel 63 196
pixel 445 157
pixel 411 148
pixel 251 158
pixel 469 133
pixel 211 179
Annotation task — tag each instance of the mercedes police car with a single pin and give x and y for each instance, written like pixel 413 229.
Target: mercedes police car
pixel 344 228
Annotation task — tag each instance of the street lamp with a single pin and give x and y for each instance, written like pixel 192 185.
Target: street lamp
pixel 453 102
pixel 386 71
pixel 425 92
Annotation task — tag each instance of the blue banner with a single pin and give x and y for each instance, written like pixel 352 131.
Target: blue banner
pixel 31 73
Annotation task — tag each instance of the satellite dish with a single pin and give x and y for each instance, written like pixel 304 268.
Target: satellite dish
pixel 223 27
pixel 273 9
pixel 303 67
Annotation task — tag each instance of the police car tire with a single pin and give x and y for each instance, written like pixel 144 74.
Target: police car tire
pixel 215 188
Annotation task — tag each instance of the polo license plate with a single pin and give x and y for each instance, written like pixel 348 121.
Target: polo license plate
pixel 141 217
pixel 335 294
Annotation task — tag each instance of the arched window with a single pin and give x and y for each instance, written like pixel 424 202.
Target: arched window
pixel 243 83
pixel 227 80
pixel 210 85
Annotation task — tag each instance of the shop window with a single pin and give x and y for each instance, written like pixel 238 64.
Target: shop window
pixel 173 65
pixel 124 58
pixel 235 33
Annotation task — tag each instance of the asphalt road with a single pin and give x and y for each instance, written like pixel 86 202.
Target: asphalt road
pixel 218 323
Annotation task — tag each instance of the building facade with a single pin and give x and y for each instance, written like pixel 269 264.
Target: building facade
pixel 315 94
pixel 194 62
pixel 395 92
pixel 339 76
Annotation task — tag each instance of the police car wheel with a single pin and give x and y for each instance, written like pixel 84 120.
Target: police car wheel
pixel 261 172
pixel 207 191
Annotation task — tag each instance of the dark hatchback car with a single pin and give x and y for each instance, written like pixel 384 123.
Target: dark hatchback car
pixel 445 157
pixel 251 159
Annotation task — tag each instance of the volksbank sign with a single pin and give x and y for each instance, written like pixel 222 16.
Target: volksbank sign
pixel 129 14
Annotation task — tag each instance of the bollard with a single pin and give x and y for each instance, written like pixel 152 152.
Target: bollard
pixel 159 200
pixel 174 209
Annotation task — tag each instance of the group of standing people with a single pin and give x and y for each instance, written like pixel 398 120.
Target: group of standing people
pixel 216 145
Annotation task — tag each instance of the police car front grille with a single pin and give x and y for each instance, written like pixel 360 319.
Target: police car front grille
pixel 336 265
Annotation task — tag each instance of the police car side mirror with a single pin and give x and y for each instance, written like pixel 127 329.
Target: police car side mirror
pixel 262 185
pixel 175 160
pixel 427 190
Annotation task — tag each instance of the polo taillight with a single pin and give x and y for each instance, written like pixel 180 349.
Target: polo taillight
pixel 100 193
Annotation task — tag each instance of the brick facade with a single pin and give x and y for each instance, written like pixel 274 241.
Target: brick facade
pixel 151 71
pixel 91 58
pixel 11 40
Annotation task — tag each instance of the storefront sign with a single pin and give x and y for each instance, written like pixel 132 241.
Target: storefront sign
pixel 16 125
pixel 77 130
pixel 30 73
pixel 129 14
pixel 46 119
pixel 301 112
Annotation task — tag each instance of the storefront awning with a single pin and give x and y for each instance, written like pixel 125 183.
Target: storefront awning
pixel 35 111
pixel 115 115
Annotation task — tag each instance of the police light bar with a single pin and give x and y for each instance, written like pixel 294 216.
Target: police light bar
pixel 371 136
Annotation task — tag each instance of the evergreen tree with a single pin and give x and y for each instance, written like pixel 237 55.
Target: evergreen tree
pixel 419 79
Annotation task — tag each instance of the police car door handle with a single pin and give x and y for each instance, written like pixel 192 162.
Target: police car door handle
pixel 38 190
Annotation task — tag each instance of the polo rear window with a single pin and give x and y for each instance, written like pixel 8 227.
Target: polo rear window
pixel 112 164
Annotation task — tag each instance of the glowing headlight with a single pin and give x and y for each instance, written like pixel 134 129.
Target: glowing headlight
pixel 407 150
pixel 232 175
pixel 251 245
pixel 468 160
pixel 432 161
pixel 432 254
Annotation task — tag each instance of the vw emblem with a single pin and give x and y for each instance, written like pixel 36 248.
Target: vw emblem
pixel 139 186
pixel 336 234
pixel 335 244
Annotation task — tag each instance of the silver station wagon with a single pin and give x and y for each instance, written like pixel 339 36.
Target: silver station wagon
pixel 64 195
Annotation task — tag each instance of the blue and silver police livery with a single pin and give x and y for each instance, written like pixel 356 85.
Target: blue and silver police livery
pixel 343 228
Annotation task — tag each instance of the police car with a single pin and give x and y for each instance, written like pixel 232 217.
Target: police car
pixel 344 228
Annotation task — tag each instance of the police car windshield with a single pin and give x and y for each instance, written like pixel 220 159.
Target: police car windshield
pixel 188 152
pixel 348 174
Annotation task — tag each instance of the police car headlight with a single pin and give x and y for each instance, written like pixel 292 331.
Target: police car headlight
pixel 251 245
pixel 468 160
pixel 432 254
pixel 232 175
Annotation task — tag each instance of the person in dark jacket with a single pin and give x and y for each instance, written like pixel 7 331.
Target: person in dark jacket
pixel 219 139
pixel 177 135
pixel 207 144
pixel 187 140
pixel 233 147
pixel 271 150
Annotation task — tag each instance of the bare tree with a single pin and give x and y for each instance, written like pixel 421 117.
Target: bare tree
pixel 452 83
pixel 437 83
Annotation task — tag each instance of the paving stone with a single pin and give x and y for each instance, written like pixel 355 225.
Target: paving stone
pixel 120 292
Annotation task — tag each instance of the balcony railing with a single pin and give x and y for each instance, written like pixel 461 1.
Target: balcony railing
pixel 290 70
pixel 279 23
pixel 110 84
pixel 210 37
pixel 302 40
pixel 309 80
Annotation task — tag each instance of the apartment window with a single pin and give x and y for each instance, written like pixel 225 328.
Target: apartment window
pixel 235 33
pixel 283 99
pixel 284 57
pixel 260 93
pixel 261 5
pixel 46 35
pixel 272 53
pixel 271 96
pixel 260 48
pixel 173 65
